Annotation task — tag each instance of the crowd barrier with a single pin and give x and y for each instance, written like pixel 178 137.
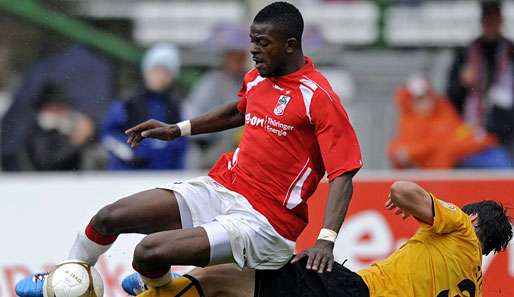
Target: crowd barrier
pixel 41 214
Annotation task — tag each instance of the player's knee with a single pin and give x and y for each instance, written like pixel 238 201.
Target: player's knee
pixel 148 254
pixel 107 220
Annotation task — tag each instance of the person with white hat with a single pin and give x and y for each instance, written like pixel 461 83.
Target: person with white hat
pixel 154 99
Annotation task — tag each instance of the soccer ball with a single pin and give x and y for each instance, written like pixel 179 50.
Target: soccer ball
pixel 73 279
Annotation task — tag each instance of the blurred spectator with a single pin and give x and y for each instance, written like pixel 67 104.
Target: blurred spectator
pixel 84 74
pixel 481 79
pixel 154 100
pixel 218 87
pixel 432 135
pixel 60 135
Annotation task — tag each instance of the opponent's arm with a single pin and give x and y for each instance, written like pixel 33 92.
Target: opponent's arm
pixel 408 198
pixel 321 256
pixel 221 118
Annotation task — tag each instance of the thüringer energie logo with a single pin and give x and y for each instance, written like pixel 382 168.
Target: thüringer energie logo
pixel 269 124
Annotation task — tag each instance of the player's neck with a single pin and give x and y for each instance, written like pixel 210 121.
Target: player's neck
pixel 296 62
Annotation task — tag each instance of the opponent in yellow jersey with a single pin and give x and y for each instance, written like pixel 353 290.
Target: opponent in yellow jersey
pixel 442 259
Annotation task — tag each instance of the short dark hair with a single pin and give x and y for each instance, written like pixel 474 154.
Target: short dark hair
pixel 285 16
pixel 491 8
pixel 494 227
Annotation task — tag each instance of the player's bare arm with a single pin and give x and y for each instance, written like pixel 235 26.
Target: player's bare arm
pixel 408 198
pixel 321 257
pixel 222 118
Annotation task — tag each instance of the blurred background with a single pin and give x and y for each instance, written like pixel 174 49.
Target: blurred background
pixel 74 74
pixel 428 86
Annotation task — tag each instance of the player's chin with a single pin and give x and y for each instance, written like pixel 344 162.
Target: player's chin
pixel 264 71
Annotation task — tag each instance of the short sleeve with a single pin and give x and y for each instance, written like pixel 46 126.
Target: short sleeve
pixel 336 138
pixel 447 217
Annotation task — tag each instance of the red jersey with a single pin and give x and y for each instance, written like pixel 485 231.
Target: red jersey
pixel 295 130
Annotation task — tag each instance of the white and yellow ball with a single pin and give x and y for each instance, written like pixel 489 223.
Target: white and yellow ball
pixel 73 279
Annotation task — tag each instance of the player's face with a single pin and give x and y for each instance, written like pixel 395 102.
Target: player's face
pixel 269 49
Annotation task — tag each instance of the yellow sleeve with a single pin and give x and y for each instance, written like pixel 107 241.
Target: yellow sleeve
pixel 191 288
pixel 185 286
pixel 447 217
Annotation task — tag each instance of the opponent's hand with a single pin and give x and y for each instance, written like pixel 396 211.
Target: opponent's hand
pixel 397 211
pixel 152 129
pixel 319 257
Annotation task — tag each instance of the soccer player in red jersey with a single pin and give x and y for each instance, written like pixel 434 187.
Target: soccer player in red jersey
pixel 251 207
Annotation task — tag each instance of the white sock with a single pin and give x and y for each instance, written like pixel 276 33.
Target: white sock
pixel 84 249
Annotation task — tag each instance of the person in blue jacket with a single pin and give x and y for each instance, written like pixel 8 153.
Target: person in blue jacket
pixel 154 100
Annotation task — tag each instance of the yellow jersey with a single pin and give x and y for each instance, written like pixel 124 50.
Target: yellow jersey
pixel 442 260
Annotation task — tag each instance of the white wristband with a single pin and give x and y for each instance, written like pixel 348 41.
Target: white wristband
pixel 327 234
pixel 185 128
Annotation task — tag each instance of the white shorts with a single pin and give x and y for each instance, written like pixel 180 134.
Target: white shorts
pixel 254 242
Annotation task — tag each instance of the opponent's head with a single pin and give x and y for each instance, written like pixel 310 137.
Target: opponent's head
pixel 276 36
pixel 492 224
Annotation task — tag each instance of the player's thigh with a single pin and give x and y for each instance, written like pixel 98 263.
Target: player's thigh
pixel 145 212
pixel 175 247
pixel 225 280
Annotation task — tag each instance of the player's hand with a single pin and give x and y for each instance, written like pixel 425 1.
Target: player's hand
pixel 397 211
pixel 152 129
pixel 320 257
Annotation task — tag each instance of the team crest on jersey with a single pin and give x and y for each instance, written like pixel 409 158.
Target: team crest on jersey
pixel 282 102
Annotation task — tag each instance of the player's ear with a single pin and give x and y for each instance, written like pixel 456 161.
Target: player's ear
pixel 291 45
pixel 474 219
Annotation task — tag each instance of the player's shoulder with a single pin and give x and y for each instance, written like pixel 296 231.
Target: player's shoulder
pixel 443 208
pixel 441 204
pixel 448 213
pixel 251 75
pixel 319 84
